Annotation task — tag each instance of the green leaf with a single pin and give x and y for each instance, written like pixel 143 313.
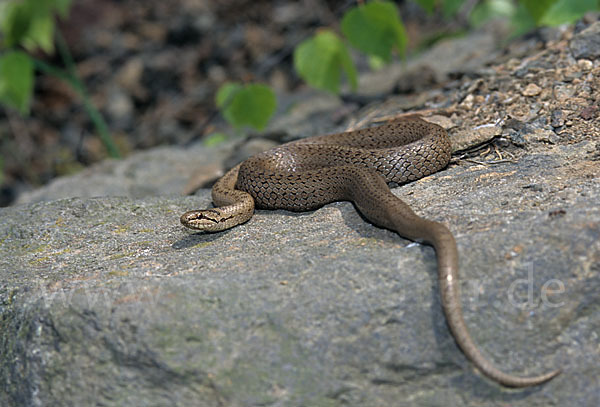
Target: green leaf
pixel 41 33
pixel 62 7
pixel 251 105
pixel 568 11
pixel 320 59
pixel 374 28
pixel 537 8
pixel 31 23
pixel 214 139
pixel 490 9
pixel 15 22
pixel 522 22
pixel 451 7
pixel 225 93
pixel 347 65
pixel 16 80
pixel 426 4
pixel 376 63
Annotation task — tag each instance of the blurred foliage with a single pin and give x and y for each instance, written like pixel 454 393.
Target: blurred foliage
pixel 31 22
pixel 372 27
pixel 214 139
pixel 428 5
pixel 30 25
pixel 376 29
pixel 567 11
pixel 246 105
pixel 525 15
pixel 537 8
pixel 320 60
pixel 16 80
pixel 451 7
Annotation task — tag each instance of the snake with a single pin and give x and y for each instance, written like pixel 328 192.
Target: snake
pixel 357 166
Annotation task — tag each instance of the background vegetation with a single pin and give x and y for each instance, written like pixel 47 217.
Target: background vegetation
pixel 29 34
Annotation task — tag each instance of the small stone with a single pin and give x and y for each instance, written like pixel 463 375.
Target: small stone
pixel 532 90
pixel 488 131
pixel 575 103
pixel 521 72
pixel 517 139
pixel 572 73
pixel 479 99
pixel 586 44
pixel 119 106
pixel 562 92
pixel 514 124
pixel 535 187
pixel 589 113
pixel 585 64
pixel 466 139
pixel 217 74
pixel 153 31
pixel 442 121
pixel 520 112
pixel 467 102
pixel 129 77
pixel 542 136
pixel 557 119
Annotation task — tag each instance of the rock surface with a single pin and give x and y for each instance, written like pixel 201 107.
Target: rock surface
pixel 109 301
pixel 159 171
pixel 586 44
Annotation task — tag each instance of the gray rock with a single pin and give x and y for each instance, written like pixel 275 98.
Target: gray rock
pixel 248 149
pixel 109 301
pixel 307 113
pixel 459 55
pixel 159 171
pixel 586 44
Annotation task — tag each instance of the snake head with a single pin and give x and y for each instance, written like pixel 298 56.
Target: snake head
pixel 208 220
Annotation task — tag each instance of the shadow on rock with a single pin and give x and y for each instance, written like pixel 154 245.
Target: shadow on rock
pixel 191 240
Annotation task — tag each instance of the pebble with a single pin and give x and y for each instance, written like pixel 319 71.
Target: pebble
pixel 543 136
pixel 119 106
pixel 532 90
pixel 562 92
pixel 586 44
pixel 467 102
pixel 442 121
pixel 557 118
pixel 588 113
pixel 585 64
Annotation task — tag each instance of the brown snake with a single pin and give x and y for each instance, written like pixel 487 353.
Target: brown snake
pixel 355 166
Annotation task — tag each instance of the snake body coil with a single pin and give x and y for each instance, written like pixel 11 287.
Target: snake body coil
pixel 356 166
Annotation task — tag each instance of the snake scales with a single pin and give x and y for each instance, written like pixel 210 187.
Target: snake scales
pixel 355 166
